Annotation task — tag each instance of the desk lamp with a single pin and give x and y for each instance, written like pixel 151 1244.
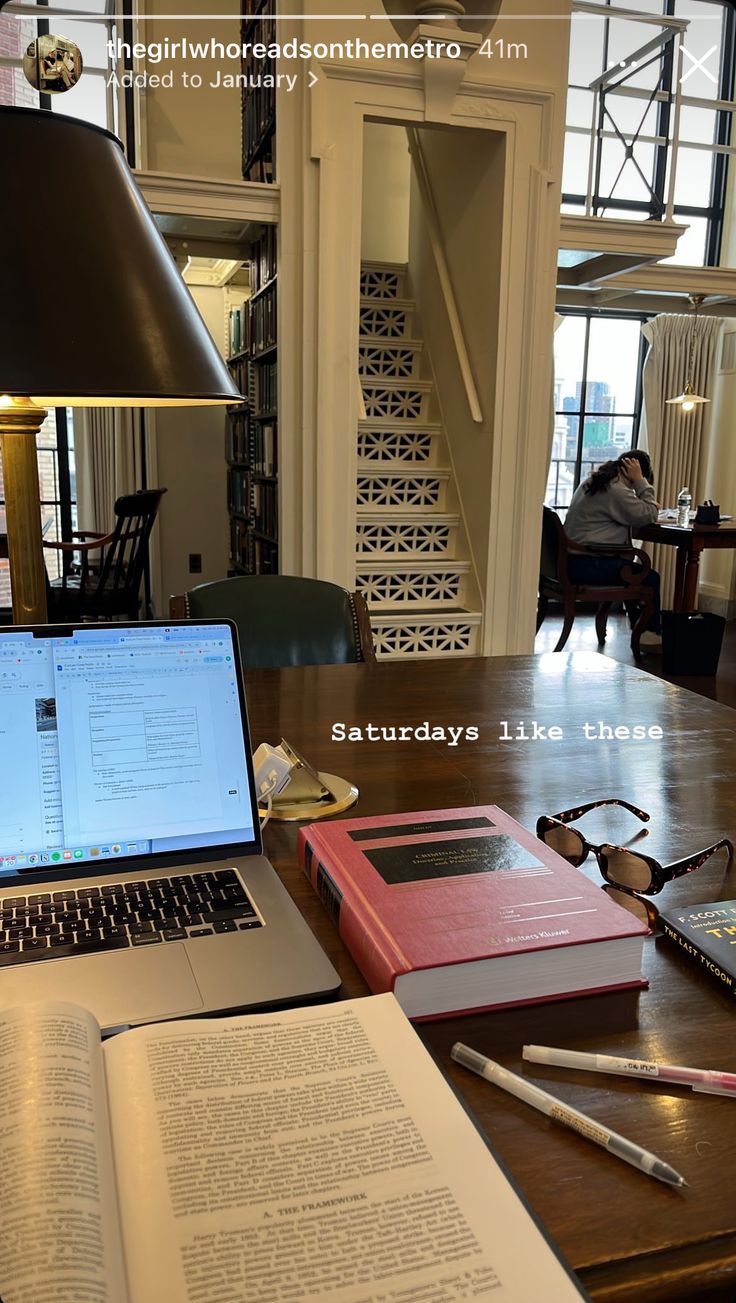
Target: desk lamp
pixel 94 312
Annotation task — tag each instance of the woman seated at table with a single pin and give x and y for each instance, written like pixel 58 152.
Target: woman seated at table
pixel 615 499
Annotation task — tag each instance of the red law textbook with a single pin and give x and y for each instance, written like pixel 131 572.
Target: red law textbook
pixel 461 910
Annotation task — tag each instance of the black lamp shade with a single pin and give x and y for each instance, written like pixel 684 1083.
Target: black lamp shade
pixel 93 310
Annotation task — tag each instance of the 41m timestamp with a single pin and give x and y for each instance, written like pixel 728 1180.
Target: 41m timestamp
pixel 502 49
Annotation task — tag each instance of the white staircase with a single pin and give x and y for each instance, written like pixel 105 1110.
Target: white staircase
pixel 412 560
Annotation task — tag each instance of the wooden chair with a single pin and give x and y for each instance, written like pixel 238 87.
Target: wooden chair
pixel 106 586
pixel 555 583
pixel 284 619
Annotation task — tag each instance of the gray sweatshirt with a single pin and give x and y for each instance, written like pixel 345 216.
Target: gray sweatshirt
pixel 608 517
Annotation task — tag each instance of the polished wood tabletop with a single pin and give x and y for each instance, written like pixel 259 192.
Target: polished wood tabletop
pixel 690 541
pixel 628 1236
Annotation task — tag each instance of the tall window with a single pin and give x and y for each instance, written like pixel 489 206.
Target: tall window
pixel 598 366
pixel 58 493
pixel 633 119
pixel 94 25
pixel 92 101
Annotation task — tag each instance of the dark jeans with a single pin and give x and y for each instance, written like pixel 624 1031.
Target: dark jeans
pixel 606 570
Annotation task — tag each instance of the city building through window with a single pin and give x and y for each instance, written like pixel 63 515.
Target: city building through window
pixel 598 368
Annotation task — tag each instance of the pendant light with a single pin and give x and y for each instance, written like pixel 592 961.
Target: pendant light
pixel 688 399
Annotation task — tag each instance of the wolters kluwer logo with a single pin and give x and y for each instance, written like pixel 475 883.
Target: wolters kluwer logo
pixel 52 64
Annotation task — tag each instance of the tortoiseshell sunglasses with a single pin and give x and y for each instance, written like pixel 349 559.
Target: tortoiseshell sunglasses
pixel 620 867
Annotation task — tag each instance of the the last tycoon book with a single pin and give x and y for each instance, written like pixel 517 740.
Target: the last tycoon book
pixel 461 910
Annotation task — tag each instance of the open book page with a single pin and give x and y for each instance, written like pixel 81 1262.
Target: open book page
pixel 59 1229
pixel 312 1154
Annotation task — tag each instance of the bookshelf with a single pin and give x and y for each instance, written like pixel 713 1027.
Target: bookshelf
pixel 258 101
pixel 251 447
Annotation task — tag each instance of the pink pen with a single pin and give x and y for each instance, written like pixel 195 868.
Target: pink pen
pixel 700 1079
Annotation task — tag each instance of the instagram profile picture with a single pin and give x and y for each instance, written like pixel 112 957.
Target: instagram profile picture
pixel 52 64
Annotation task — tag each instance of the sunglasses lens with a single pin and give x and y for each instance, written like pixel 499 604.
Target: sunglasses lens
pixel 628 870
pixel 630 903
pixel 567 843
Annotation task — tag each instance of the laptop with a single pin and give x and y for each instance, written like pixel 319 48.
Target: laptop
pixel 132 879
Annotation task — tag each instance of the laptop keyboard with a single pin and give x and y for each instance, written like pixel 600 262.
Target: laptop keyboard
pixel 57 924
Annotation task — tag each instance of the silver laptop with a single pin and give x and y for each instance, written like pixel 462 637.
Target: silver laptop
pixel 132 878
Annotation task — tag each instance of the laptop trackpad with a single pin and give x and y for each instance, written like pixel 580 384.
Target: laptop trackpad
pixel 121 987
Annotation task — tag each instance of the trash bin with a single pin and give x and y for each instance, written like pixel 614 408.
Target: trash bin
pixel 691 642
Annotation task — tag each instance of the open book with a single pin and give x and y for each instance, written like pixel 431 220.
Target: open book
pixel 312 1154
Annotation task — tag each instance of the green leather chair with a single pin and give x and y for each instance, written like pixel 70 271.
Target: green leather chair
pixel 285 620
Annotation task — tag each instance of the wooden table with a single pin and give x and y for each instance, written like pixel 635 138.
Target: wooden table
pixel 629 1237
pixel 690 541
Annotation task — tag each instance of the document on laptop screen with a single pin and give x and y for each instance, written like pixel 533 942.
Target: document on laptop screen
pixel 144 745
pixel 120 742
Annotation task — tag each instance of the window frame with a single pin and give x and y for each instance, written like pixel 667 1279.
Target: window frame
pixel 590 315
pixel 655 208
pixel 64 504
pixel 120 104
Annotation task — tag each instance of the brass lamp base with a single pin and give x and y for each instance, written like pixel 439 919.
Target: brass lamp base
pixel 20 421
pixel 310 794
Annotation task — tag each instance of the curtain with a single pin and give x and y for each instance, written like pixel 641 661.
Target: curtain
pixel 677 441
pixel 108 462
pixel 558 320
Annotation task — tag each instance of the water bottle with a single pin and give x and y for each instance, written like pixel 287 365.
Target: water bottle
pixel 684 499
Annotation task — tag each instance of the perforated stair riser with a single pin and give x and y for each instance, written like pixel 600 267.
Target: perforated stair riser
pixel 392 538
pixel 408 566
pixel 407 490
pixel 426 635
pixel 386 318
pixel 384 360
pixel 401 585
pixel 390 441
pixel 382 281
pixel 401 400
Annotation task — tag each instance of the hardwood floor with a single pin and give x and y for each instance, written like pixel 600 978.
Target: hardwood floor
pixel 721 688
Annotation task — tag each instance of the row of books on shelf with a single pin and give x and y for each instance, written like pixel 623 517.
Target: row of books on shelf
pixel 263 260
pixel 251 442
pixel 262 169
pixel 262 448
pixel 251 555
pixel 237 437
pixel 265 508
pixel 239 329
pixel 258 100
pixel 266 27
pixel 259 107
pixel 266 388
pixel 252 328
pixel 240 545
pixel 258 460
pixel 265 557
pixel 263 320
pixel 239 494
pixel 254 499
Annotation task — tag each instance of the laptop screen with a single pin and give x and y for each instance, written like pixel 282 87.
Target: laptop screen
pixel 120 741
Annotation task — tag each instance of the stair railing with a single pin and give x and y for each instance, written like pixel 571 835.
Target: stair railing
pixel 443 272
